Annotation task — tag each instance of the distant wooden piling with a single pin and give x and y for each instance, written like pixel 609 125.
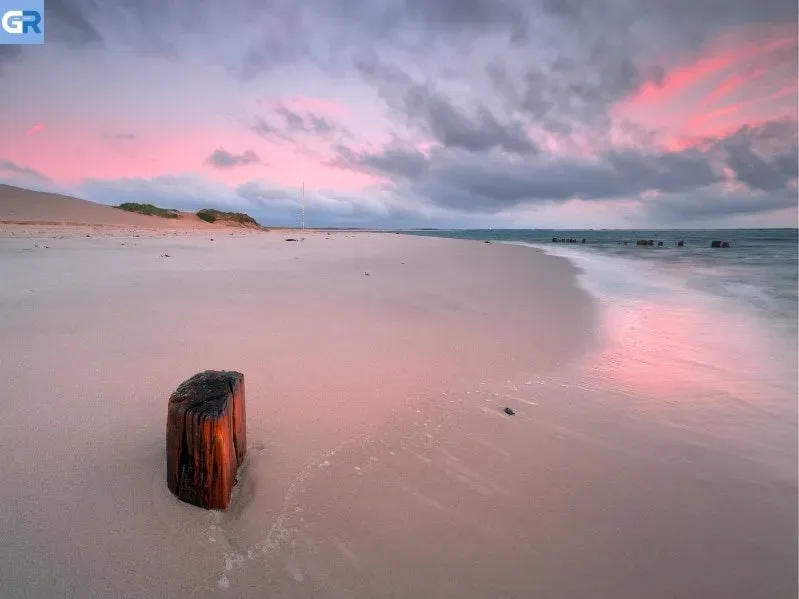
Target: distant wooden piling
pixel 206 438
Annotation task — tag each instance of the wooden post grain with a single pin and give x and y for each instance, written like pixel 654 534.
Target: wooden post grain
pixel 206 438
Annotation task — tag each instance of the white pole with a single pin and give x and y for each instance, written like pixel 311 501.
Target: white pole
pixel 302 207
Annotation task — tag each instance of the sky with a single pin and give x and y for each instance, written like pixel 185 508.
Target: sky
pixel 415 113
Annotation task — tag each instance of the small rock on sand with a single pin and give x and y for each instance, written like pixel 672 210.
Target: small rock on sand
pixel 509 411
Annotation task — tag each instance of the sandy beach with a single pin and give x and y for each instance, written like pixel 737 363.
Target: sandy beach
pixel 380 463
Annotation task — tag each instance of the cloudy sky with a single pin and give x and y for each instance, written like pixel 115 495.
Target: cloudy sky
pixel 465 113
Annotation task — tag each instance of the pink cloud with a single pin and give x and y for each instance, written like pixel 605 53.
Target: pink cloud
pixel 733 83
pixel 38 128
pixel 744 76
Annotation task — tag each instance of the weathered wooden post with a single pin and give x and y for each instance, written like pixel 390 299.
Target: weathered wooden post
pixel 206 438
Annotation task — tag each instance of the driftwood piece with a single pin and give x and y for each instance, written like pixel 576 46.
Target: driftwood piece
pixel 206 438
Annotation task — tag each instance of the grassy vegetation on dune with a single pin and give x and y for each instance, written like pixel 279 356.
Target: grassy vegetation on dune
pixel 149 210
pixel 210 215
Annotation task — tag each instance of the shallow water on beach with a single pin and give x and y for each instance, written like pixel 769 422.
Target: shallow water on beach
pixel 759 271
pixel 693 359
pixel 701 340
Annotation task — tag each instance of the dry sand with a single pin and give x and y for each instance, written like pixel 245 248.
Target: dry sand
pixel 379 463
pixel 46 210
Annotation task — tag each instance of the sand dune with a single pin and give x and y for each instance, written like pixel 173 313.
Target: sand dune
pixel 24 206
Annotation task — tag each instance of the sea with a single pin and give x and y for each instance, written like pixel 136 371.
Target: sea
pixel 699 339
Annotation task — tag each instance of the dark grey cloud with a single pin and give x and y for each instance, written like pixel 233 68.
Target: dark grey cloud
pixel 221 158
pixel 434 115
pixel 287 123
pixel 764 157
pixel 11 167
pixel 122 136
pixel 262 128
pixel 713 205
pixel 149 27
pixel 8 53
pixel 256 191
pixel 453 128
pixel 69 21
pixel 330 32
pixel 469 181
pixel 407 163
pixel 306 123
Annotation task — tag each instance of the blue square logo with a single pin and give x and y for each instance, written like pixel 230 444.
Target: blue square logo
pixel 21 21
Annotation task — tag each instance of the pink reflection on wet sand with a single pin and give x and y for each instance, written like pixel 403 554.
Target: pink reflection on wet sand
pixel 686 351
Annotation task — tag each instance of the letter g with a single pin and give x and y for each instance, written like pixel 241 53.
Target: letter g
pixel 12 21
